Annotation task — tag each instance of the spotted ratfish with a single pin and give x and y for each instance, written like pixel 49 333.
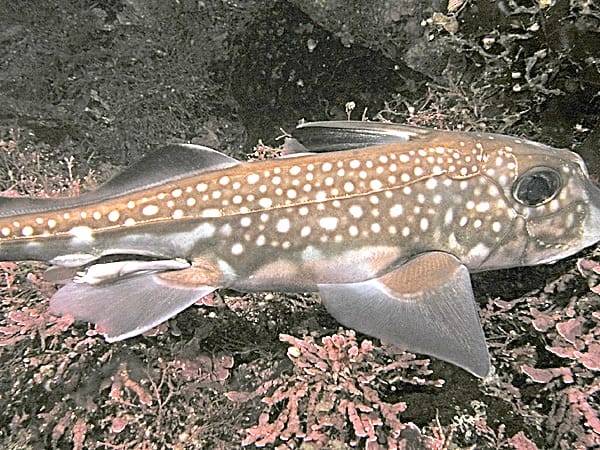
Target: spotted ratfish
pixel 385 221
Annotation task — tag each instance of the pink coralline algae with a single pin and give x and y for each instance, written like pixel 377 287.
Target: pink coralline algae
pixel 571 381
pixel 334 396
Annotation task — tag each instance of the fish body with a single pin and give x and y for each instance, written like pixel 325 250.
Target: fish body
pixel 384 221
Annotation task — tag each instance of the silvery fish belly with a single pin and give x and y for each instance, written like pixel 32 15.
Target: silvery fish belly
pixel 385 221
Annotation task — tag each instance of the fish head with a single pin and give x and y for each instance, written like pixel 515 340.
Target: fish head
pixel 555 206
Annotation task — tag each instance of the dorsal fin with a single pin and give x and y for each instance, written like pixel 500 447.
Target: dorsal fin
pixel 341 135
pixel 162 165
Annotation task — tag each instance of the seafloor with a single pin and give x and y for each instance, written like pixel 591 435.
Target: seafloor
pixel 86 87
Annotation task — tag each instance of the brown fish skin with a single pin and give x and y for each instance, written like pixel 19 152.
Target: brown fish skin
pixel 368 219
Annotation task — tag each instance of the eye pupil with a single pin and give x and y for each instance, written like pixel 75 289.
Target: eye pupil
pixel 537 187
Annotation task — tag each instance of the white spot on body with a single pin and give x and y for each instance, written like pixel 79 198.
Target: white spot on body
pixel 356 211
pixel 265 202
pixel 82 232
pixel 283 225
pixel 431 184
pixel 253 178
pixel 129 222
pixel 211 212
pixel 328 223
pixel 449 216
pixel 149 210
pixel 27 231
pixel 375 184
pixel 482 207
pixel 113 216
pixel 177 214
pixel 305 231
pixel 321 196
pixel 396 211
pixel 237 249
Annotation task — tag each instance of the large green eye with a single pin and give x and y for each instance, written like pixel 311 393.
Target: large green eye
pixel 537 186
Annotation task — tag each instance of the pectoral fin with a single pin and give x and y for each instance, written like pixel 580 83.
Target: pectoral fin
pixel 125 306
pixel 426 306
pixel 339 135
